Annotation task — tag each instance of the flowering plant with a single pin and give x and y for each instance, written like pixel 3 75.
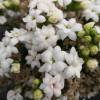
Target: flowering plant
pixel 50 49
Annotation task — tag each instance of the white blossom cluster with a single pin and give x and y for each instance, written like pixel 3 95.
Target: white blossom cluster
pixel 45 25
pixel 56 64
pixel 91 9
pixel 8 47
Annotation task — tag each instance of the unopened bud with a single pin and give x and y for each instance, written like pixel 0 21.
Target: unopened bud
pixel 93 32
pixel 36 81
pixel 97 38
pixel 37 95
pixel 88 26
pixel 15 68
pixel 87 38
pixel 53 19
pixel 12 4
pixel 94 50
pixel 81 33
pixel 92 64
pixel 7 4
pixel 85 52
pixel 85 3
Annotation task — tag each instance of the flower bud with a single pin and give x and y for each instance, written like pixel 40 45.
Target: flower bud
pixel 2 6
pixel 52 19
pixel 94 50
pixel 87 39
pixel 37 95
pixel 55 16
pixel 15 68
pixel 7 4
pixel 85 52
pixel 92 64
pixel 93 32
pixel 85 3
pixel 88 26
pixel 97 38
pixel 81 33
pixel 81 47
pixel 36 81
pixel 12 4
pixel 16 2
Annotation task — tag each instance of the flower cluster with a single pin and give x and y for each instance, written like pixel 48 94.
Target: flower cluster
pixel 92 10
pixel 48 35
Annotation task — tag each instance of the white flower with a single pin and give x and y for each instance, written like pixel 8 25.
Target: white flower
pixel 52 85
pixel 8 47
pixel 48 7
pixel 55 15
pixel 75 64
pixel 32 4
pixel 14 95
pixel 5 66
pixel 6 50
pixel 33 18
pixel 44 38
pixel 89 14
pixel 33 58
pixel 68 29
pixel 42 5
pixel 53 54
pixel 3 20
pixel 92 10
pixel 45 5
pixel 17 35
pixel 64 3
pixel 53 59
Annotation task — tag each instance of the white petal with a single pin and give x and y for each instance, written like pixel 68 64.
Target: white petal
pixel 60 2
pixel 67 2
pixel 14 41
pixel 45 68
pixel 40 19
pixel 57 92
pixel 48 79
pixel 77 27
pixel 72 36
pixel 14 50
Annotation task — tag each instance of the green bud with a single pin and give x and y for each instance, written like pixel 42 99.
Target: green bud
pixel 36 81
pixel 81 47
pixel 37 95
pixel 97 38
pixel 7 4
pixel 12 4
pixel 81 33
pixel 85 52
pixel 93 32
pixel 87 39
pixel 88 26
pixel 92 64
pixel 16 2
pixel 94 50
